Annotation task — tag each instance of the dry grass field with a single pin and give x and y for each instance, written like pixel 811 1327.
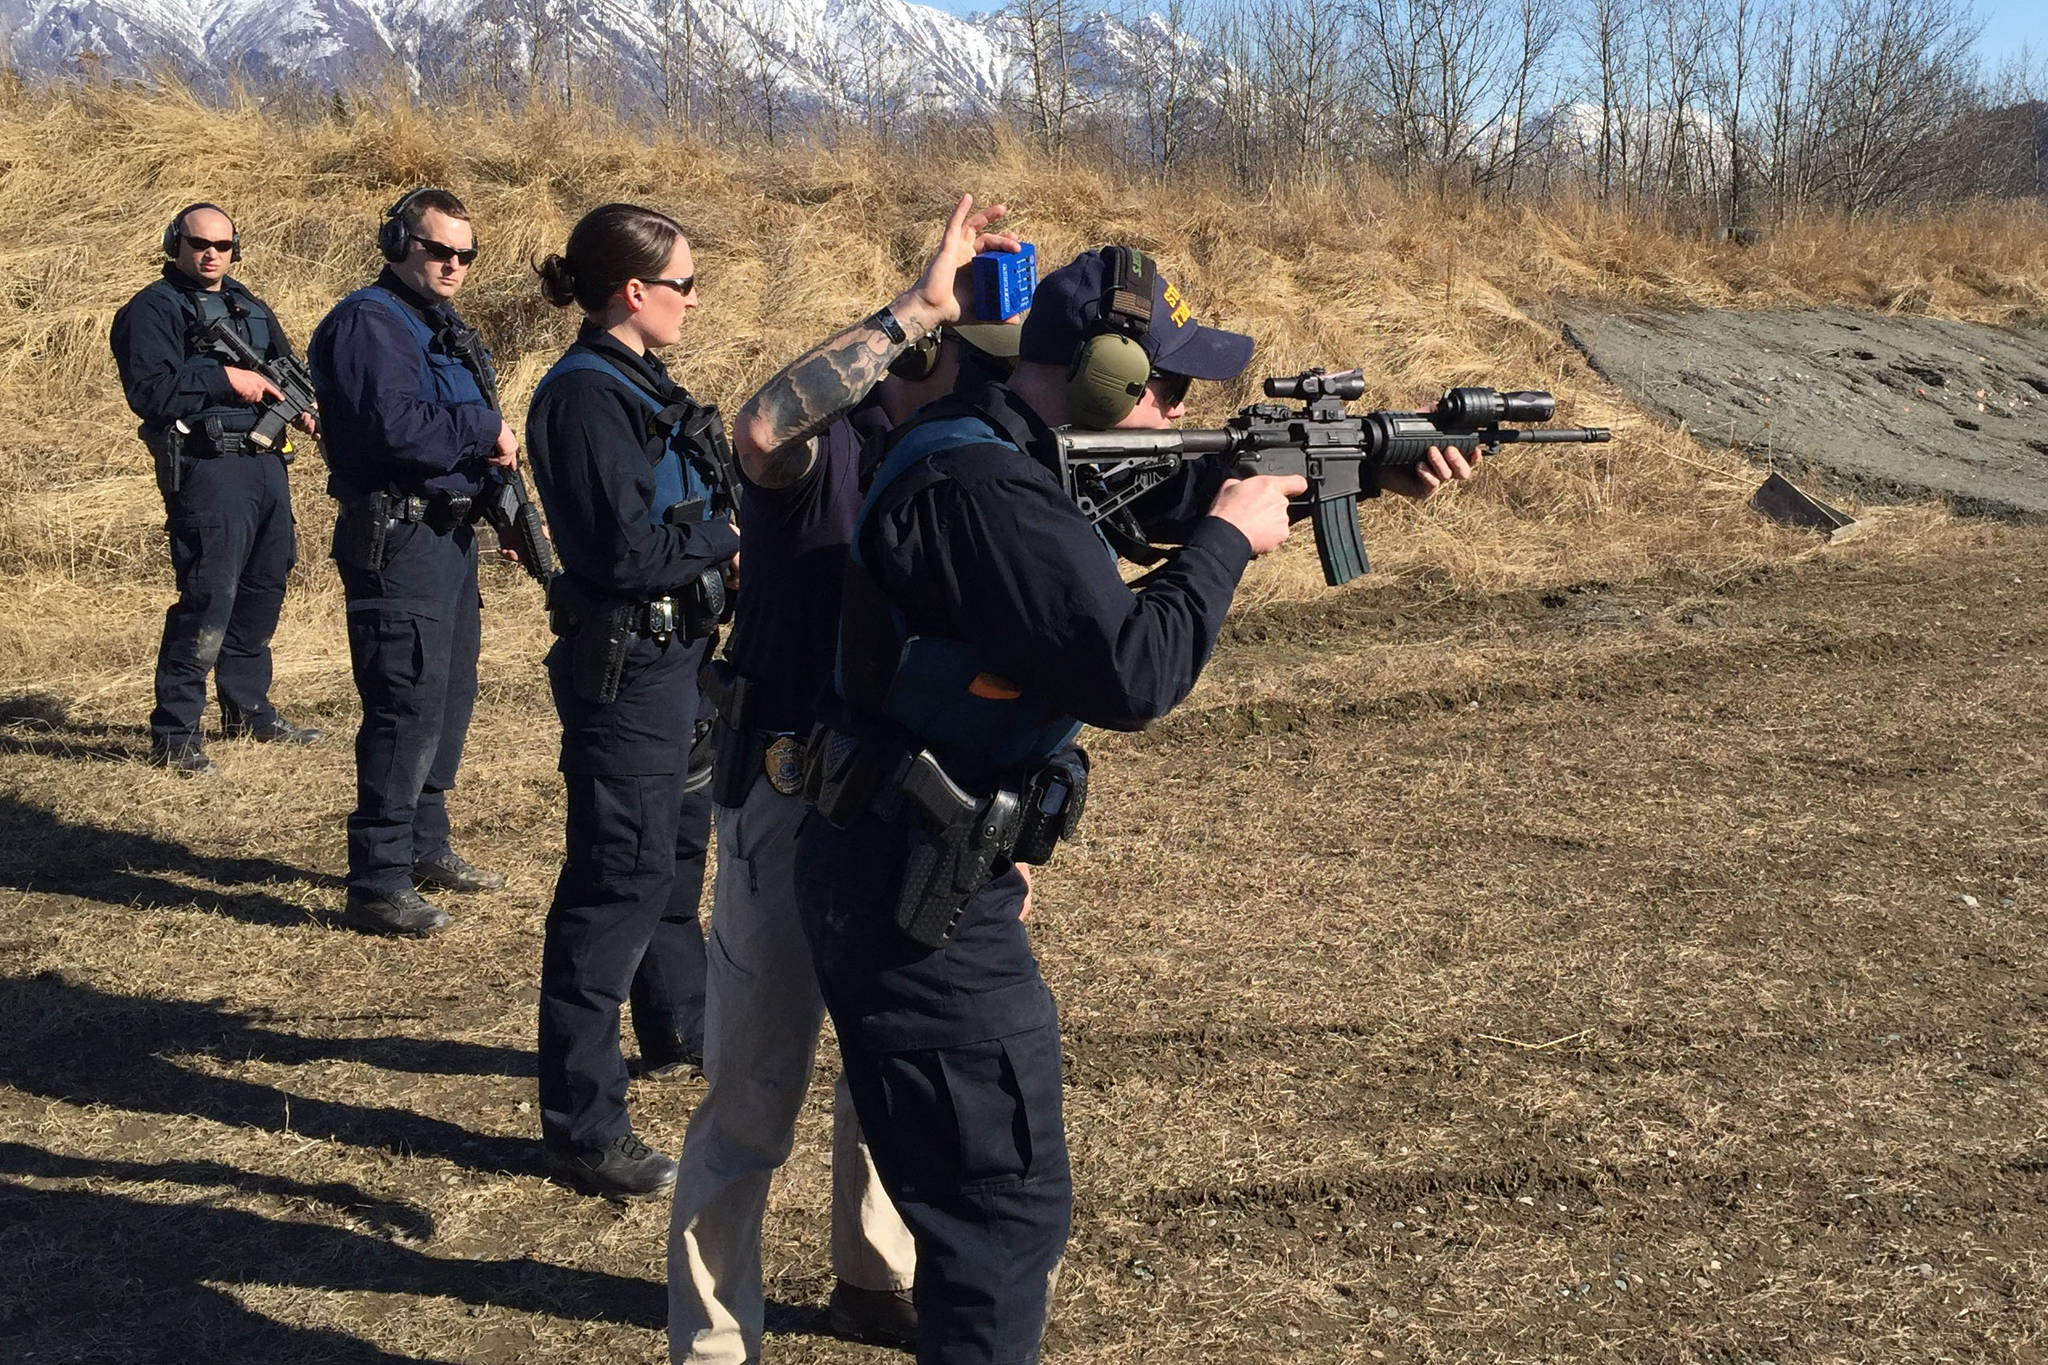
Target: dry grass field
pixel 1612 931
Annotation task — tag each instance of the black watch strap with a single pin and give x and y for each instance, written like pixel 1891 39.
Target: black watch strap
pixel 891 328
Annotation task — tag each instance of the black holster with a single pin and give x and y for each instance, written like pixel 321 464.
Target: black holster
pixel 737 747
pixel 953 837
pixel 362 533
pixel 599 639
pixel 167 448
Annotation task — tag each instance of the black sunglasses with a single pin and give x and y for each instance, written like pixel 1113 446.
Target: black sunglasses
pixel 441 251
pixel 682 286
pixel 1173 388
pixel 204 243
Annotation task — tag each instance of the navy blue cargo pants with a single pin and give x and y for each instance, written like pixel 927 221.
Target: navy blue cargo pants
pixel 622 930
pixel 413 633
pixel 953 1059
pixel 233 542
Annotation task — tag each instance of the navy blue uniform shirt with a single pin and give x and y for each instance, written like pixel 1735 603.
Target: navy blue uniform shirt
pixel 784 632
pixel 593 454
pixel 382 427
pixel 997 555
pixel 163 375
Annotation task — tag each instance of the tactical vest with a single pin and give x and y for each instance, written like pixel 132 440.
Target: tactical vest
pixel 683 474
pixel 205 307
pixel 937 690
pixel 443 379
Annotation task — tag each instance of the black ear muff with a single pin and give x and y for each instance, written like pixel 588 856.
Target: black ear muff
pixel 1108 374
pixel 921 361
pixel 176 229
pixel 394 234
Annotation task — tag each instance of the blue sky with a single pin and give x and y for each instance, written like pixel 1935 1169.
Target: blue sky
pixel 2008 24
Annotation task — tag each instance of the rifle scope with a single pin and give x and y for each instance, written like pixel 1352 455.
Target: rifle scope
pixel 1306 388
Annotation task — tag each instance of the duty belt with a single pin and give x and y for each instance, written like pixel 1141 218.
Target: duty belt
pixel 442 512
pixel 200 443
pixel 960 830
pixel 656 619
pixel 227 443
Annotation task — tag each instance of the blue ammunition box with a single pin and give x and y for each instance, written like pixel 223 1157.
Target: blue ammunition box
pixel 1004 282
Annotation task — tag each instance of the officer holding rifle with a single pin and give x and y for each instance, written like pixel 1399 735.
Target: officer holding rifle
pixel 983 622
pixel 226 497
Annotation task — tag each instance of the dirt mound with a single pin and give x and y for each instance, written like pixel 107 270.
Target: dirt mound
pixel 1887 407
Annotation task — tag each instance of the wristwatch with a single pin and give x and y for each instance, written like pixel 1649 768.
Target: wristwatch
pixel 891 328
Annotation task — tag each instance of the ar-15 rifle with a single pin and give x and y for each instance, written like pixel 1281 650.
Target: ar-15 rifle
pixel 1339 453
pixel 285 374
pixel 505 503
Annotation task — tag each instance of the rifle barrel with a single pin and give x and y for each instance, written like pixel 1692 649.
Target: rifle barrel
pixel 1556 435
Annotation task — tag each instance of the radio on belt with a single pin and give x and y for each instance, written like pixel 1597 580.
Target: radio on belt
pixel 1004 282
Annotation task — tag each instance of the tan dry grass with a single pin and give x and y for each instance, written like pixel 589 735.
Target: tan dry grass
pixel 1422 295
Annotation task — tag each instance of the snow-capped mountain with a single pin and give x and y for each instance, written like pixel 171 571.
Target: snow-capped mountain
pixel 806 49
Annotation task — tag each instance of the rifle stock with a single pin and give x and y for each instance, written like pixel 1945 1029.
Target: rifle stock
pixel 1340 454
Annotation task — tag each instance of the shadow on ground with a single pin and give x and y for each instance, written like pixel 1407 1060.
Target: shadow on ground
pixel 101 1274
pixel 67 1041
pixel 42 725
pixel 41 851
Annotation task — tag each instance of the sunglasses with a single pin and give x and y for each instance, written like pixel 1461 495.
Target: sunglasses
pixel 1173 388
pixel 441 251
pixel 206 244
pixel 684 285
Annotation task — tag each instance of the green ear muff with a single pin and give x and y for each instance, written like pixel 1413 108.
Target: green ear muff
pixel 1108 374
pixel 1106 381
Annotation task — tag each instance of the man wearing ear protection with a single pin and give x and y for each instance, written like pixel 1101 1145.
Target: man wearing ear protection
pixel 228 501
pixel 799 442
pixel 983 622
pixel 406 396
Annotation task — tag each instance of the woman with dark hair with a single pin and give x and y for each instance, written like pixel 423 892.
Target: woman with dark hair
pixel 630 471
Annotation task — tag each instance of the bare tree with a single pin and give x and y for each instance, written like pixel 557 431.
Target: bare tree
pixel 1308 60
pixel 1040 35
pixel 1240 98
pixel 1166 67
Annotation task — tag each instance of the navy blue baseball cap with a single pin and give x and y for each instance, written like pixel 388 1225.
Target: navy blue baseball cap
pixel 1069 302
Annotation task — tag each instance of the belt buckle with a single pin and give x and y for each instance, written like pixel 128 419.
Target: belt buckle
pixel 784 764
pixel 661 618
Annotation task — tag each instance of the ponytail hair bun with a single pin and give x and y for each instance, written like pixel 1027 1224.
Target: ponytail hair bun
pixel 557 281
pixel 609 245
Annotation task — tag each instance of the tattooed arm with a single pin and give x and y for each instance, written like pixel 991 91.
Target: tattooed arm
pixel 775 432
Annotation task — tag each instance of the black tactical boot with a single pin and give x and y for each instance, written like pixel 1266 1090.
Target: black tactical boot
pixel 453 872
pixel 394 912
pixel 188 759
pixel 873 1317
pixel 275 730
pixel 624 1168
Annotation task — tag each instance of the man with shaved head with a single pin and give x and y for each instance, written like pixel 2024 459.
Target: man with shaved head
pixel 227 500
